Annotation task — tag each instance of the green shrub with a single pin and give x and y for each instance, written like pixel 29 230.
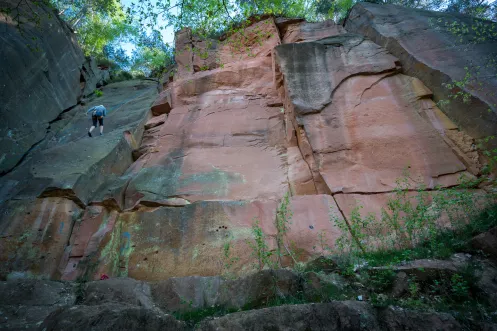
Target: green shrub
pixel 120 76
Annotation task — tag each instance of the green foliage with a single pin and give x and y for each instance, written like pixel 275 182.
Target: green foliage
pixel 459 287
pixel 97 31
pixel 340 9
pixel 411 219
pixel 228 259
pixel 491 154
pixel 213 16
pixel 475 8
pixel 381 280
pixel 152 56
pixel 283 217
pixel 98 93
pixel 260 247
pixel 120 76
pixel 478 31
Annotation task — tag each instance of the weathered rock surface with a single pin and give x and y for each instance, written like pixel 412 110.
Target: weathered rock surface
pixel 162 104
pixel 110 317
pixel 350 97
pixel 44 73
pixel 295 30
pixel 436 54
pixel 487 282
pixel 92 76
pixel 135 305
pixel 170 197
pixel 487 242
pixel 25 303
pixel 175 186
pixel 124 290
pixel 394 318
pixel 34 235
pixel 345 315
pixel 42 198
pixel 325 316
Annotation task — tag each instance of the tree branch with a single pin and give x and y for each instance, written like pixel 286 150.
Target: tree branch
pixel 227 12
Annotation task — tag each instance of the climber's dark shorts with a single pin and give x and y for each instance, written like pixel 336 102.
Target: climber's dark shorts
pixel 100 120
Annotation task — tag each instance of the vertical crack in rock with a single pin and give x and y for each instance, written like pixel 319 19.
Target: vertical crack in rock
pixel 346 220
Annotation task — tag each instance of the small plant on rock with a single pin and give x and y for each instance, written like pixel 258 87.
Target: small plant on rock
pixel 228 259
pixel 260 247
pixel 459 286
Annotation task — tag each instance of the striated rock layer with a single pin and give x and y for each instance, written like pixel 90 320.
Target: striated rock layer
pixel 175 185
pixel 440 48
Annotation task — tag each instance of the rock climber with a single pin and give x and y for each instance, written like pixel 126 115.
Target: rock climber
pixel 97 114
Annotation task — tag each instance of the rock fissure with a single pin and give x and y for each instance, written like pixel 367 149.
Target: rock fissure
pixel 372 85
pixel 171 192
pixel 391 71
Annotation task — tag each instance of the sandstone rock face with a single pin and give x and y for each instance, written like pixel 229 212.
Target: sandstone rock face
pixel 43 199
pixel 44 73
pixel 179 186
pixel 436 54
pixel 92 76
pixel 293 31
pixel 124 303
pixel 351 97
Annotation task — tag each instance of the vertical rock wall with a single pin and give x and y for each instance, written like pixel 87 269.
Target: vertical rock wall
pixel 285 107
pixel 44 73
pixel 440 48
pixel 311 110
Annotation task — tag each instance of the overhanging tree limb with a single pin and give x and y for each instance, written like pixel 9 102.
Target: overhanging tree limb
pixel 227 12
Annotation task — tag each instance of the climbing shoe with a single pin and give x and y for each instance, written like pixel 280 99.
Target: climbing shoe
pixel 89 134
pixel 101 134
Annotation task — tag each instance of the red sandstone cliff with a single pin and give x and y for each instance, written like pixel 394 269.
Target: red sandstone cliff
pixel 286 106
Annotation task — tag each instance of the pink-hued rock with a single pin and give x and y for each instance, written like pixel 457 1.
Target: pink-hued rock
pixel 86 239
pixel 429 48
pixel 182 55
pixel 228 146
pixel 310 227
pixel 195 55
pixel 304 31
pixel 299 175
pixel 312 71
pixel 256 40
pixel 252 77
pixel 34 239
pixel 164 242
pixel 371 154
pixel 162 104
pixel 155 121
pixel 374 204
pixel 377 130
pixel 204 54
pixel 282 106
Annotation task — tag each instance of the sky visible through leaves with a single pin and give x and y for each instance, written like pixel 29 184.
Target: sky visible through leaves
pixel 167 33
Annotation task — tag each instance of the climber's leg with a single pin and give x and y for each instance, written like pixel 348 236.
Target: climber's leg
pixel 94 120
pixel 101 123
